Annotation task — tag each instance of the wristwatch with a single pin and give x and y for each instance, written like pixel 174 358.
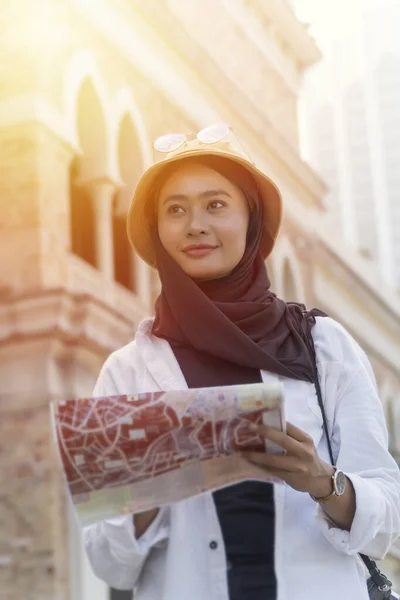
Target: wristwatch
pixel 338 485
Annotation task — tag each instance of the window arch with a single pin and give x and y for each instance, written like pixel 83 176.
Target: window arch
pixel 91 128
pixel 130 167
pixel 82 70
pixel 288 278
pixel 82 218
pixel 290 292
pixel 85 168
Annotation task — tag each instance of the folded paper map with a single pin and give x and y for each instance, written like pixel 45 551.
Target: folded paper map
pixel 125 454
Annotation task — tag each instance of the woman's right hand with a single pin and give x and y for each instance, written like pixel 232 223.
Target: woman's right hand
pixel 143 520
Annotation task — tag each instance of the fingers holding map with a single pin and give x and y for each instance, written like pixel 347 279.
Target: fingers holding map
pixel 125 454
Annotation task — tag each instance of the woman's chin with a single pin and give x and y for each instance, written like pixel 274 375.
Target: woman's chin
pixel 205 274
pixel 198 269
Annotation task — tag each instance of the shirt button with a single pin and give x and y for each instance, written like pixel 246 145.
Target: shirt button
pixel 213 545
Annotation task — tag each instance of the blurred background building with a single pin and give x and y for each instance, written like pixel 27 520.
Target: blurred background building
pixel 351 123
pixel 86 86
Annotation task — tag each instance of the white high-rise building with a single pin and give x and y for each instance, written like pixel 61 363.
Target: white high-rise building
pixel 350 112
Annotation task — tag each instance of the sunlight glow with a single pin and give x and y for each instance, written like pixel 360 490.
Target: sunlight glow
pixel 330 20
pixel 41 27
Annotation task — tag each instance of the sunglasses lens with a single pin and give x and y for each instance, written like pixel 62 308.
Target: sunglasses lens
pixel 169 142
pixel 213 133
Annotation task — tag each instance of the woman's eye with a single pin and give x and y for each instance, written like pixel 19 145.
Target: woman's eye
pixel 174 209
pixel 216 204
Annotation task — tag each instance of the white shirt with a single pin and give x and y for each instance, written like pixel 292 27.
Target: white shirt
pixel 175 560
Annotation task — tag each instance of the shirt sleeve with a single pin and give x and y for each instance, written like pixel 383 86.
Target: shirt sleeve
pixel 360 435
pixel 115 553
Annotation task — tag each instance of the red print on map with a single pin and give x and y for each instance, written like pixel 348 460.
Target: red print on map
pixel 120 440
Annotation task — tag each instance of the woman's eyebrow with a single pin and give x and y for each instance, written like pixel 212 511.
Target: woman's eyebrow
pixel 175 198
pixel 211 193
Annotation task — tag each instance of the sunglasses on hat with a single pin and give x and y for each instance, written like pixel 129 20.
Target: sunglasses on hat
pixel 208 135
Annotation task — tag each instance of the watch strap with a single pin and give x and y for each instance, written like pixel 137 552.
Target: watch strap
pixel 326 499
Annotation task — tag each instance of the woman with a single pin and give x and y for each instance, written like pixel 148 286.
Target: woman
pixel 206 218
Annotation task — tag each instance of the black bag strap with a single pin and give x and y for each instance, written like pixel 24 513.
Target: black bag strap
pixel 380 580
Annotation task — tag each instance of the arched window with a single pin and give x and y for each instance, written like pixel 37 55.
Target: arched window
pixel 91 132
pixel 81 219
pixel 290 293
pixel 130 166
pixel 124 263
pixel 84 169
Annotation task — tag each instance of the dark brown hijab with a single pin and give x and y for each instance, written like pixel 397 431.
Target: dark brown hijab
pixel 236 320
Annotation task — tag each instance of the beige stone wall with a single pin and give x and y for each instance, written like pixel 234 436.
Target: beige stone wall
pixel 35 561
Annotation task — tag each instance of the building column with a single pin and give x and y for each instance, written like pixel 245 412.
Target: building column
pixel 34 220
pixel 102 193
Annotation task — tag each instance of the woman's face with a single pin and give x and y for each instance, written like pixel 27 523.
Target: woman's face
pixel 202 221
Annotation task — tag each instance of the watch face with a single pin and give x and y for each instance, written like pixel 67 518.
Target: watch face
pixel 340 483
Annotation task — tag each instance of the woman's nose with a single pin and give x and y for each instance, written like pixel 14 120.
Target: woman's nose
pixel 197 223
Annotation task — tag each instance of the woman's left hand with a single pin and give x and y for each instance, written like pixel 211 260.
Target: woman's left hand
pixel 300 467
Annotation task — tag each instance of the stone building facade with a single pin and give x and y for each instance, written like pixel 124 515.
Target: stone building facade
pixel 87 85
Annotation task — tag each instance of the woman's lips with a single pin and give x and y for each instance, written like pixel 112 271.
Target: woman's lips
pixel 199 251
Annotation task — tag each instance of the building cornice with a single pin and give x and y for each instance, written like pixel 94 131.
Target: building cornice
pixel 34 108
pixel 76 319
pixel 294 33
pixel 259 31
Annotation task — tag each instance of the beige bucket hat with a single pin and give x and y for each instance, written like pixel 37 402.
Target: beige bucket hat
pixel 138 226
